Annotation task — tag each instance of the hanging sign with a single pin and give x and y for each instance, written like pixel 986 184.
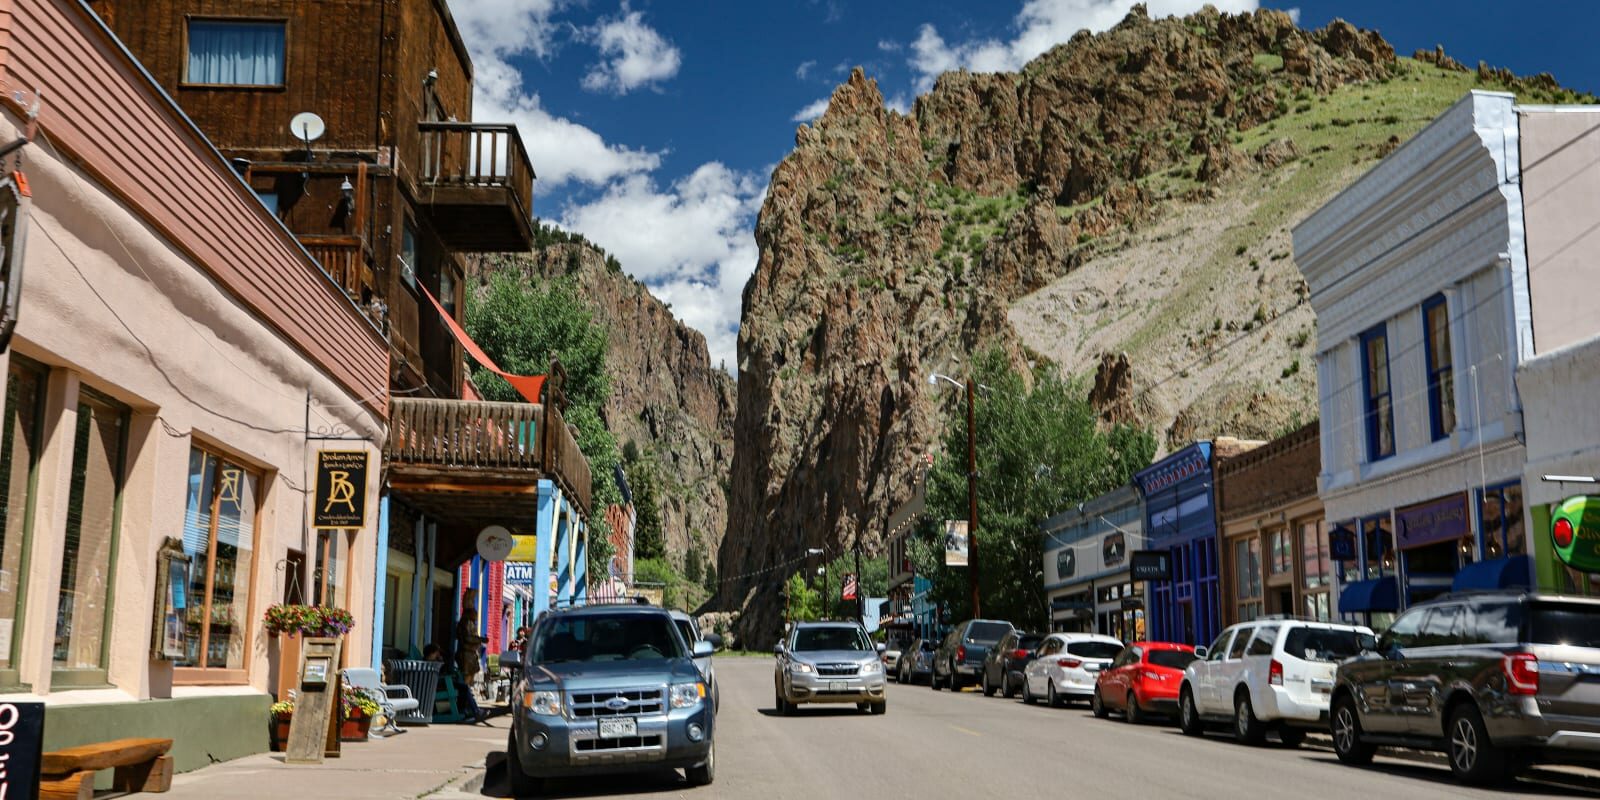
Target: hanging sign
pixel 519 573
pixel 14 202
pixel 955 542
pixel 21 748
pixel 1575 531
pixel 524 548
pixel 1151 565
pixel 341 496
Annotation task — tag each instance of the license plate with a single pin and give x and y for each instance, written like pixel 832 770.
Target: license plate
pixel 837 686
pixel 619 728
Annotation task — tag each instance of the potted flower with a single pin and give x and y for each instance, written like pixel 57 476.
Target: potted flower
pixel 356 711
pixel 288 624
pixel 282 712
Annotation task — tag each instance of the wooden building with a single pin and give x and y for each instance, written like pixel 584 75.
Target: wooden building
pixel 395 189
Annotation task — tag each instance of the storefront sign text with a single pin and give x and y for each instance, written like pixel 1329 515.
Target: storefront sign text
pixel 1434 521
pixel 1575 531
pixel 519 573
pixel 1152 565
pixel 341 497
pixel 21 748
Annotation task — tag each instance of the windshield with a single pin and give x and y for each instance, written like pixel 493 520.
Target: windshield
pixel 1324 644
pixel 927 646
pixel 987 631
pixel 1567 624
pixel 1176 659
pixel 831 638
pixel 1094 649
pixel 616 637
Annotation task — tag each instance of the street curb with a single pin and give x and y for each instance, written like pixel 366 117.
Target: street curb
pixel 1552 773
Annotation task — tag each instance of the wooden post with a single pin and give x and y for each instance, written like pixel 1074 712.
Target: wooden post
pixel 314 729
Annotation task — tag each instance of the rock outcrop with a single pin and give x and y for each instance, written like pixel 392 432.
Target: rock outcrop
pixel 891 246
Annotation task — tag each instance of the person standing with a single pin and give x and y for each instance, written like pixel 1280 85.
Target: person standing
pixel 468 643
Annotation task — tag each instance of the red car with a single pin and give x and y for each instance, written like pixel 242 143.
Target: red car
pixel 1143 680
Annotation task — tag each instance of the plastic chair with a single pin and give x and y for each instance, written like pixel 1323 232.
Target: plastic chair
pixel 393 698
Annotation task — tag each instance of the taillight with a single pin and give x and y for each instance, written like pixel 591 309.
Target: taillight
pixel 1019 654
pixel 1275 673
pixel 1522 673
pixel 1069 663
pixel 961 653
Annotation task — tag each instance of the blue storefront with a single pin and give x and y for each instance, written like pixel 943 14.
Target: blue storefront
pixel 1180 517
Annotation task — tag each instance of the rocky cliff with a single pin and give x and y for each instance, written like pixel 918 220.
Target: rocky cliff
pixel 667 398
pixel 891 245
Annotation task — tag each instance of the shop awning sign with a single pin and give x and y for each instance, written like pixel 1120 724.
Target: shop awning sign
pixel 1575 531
pixel 1151 565
pixel 341 497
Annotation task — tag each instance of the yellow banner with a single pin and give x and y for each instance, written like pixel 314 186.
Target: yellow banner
pixel 524 548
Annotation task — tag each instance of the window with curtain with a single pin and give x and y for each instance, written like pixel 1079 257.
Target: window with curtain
pixel 1314 553
pixel 82 610
pixel 1247 577
pixel 1441 375
pixel 219 538
pixel 1281 561
pixel 19 461
pixel 235 53
pixel 1379 402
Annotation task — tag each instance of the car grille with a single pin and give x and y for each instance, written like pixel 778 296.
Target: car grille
pixel 629 743
pixel 588 705
pixel 837 670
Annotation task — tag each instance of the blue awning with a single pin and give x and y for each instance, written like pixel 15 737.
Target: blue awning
pixel 1381 594
pixel 1498 573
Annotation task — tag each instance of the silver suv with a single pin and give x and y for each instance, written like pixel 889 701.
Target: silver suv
pixel 1496 680
pixel 828 662
pixel 690 630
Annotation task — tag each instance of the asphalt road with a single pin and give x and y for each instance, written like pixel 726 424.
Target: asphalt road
pixel 939 745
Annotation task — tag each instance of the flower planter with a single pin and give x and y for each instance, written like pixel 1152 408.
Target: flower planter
pixel 280 733
pixel 354 729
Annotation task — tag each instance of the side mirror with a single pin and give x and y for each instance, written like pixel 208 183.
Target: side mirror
pixel 1201 652
pixel 715 640
pixel 882 647
pixel 703 648
pixel 777 649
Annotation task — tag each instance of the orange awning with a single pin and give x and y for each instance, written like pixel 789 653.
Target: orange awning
pixel 528 386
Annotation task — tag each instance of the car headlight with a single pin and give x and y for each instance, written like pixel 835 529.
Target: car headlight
pixel 871 668
pixel 543 703
pixel 687 695
pixel 801 666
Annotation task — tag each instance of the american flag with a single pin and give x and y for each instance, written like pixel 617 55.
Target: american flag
pixel 849 591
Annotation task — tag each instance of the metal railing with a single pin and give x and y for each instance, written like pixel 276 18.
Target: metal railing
pixel 476 154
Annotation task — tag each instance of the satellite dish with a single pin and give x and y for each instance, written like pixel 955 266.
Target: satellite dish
pixel 308 127
pixel 494 543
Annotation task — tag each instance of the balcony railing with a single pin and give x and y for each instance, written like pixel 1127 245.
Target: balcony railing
pixel 485 439
pixel 477 154
pixel 343 258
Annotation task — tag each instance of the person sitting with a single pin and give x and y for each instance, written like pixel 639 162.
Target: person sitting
pixel 460 696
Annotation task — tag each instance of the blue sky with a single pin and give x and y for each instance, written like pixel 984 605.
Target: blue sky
pixel 654 125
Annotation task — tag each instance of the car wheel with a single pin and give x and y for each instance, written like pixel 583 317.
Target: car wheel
pixel 1007 689
pixel 880 708
pixel 988 688
pixel 1473 758
pixel 1292 737
pixel 863 706
pixel 705 772
pixel 1246 727
pixel 781 703
pixel 520 782
pixel 1051 698
pixel 1132 714
pixel 1098 705
pixel 933 679
pixel 1346 729
pixel 1188 716
pixel 1027 691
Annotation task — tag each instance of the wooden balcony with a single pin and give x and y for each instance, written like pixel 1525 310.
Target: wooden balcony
pixel 344 258
pixel 480 462
pixel 476 183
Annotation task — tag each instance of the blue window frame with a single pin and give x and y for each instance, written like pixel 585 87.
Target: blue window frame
pixel 235 53
pixel 1441 372
pixel 1378 399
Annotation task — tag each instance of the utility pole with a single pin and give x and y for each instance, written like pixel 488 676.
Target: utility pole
pixel 972 502
pixel 861 595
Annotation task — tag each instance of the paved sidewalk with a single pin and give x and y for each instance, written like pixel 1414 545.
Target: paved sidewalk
pixel 419 762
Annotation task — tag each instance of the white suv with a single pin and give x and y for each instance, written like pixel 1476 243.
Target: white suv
pixel 1065 666
pixel 1267 673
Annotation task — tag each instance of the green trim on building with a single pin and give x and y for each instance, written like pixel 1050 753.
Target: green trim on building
pixel 203 730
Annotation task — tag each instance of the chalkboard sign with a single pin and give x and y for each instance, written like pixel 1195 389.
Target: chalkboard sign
pixel 21 749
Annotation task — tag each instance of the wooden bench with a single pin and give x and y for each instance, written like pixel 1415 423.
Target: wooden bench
pixel 142 765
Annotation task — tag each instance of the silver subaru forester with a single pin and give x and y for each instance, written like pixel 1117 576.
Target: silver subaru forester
pixel 828 662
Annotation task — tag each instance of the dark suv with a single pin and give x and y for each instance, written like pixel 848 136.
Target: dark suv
pixel 1495 680
pixel 609 688
pixel 1003 664
pixel 960 658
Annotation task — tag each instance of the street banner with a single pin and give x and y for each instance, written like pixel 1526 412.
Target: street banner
pixel 341 496
pixel 955 542
pixel 848 592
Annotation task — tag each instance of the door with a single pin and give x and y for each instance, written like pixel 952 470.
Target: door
pixel 1205 674
pixel 1035 673
pixel 1120 682
pixel 1372 677
pixel 1230 671
pixel 1421 677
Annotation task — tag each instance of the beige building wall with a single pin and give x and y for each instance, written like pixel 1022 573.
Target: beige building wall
pixel 1561 196
pixel 110 304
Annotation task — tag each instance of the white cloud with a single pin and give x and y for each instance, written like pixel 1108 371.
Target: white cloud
pixel 1294 15
pixel 889 45
pixel 693 243
pixel 1040 25
pixel 900 102
pixel 634 55
pixel 804 70
pixel 812 111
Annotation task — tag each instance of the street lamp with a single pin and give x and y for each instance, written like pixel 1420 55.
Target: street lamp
pixel 972 487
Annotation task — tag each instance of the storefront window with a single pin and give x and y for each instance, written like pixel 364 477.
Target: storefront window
pixel 93 505
pixel 19 460
pixel 1314 550
pixel 1281 555
pixel 1376 544
pixel 1500 515
pixel 219 538
pixel 1247 577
